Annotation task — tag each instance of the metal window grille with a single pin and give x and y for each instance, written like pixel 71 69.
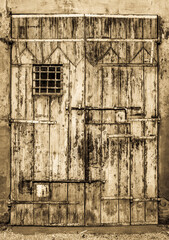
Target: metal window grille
pixel 47 79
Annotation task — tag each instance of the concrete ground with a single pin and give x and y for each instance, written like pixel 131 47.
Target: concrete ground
pixel 93 233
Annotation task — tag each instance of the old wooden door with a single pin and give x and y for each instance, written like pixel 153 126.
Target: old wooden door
pixel 85 151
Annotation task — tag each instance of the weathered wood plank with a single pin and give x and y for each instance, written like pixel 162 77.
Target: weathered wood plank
pixel 122 52
pixel 58 150
pixel 124 168
pixel 92 204
pixel 150 52
pixel 137 169
pixel 150 28
pixel 151 212
pixel 110 160
pixel 58 192
pixel 137 212
pixel 49 27
pixel 19 28
pixel 41 107
pixel 123 88
pixel 108 116
pixel 22 214
pixel 59 108
pixel 74 51
pixel 118 28
pixel 93 116
pixel 109 211
pixel 41 214
pixel 89 27
pixel 150 81
pixel 22 162
pixel 77 146
pixel 135 52
pixel 34 28
pixel 135 76
pixel 151 162
pixel 134 28
pixel 111 56
pixel 57 214
pixel 110 87
pixel 124 212
pixel 22 104
pixel 93 150
pixel 41 152
pixel 76 204
pixel 93 82
pixel 70 27
pixel 35 53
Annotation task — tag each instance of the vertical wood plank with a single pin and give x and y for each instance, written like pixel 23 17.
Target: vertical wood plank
pixel 57 211
pixel 150 79
pixel 41 165
pixel 89 27
pixel 34 28
pixel 77 143
pixel 22 214
pixel 123 88
pixel 92 205
pixel 19 28
pixel 59 108
pixel 124 212
pixel 137 213
pixel 22 104
pixel 110 87
pixel 93 150
pixel 151 169
pixel 41 214
pixel 34 51
pixel 150 28
pixel 118 28
pixel 109 211
pixel 151 212
pixel 124 155
pixel 135 52
pixel 134 28
pixel 137 169
pixel 58 192
pixel 22 162
pixel 58 151
pixel 77 78
pixel 93 86
pixel 49 27
pixel 76 204
pixel 15 25
pixel 41 107
pixel 109 162
pixel 14 92
pixel 136 82
pixel 58 214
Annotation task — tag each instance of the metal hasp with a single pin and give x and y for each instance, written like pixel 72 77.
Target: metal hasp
pixel 87 155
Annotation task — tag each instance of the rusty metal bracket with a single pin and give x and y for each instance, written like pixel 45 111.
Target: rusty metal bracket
pixel 7 40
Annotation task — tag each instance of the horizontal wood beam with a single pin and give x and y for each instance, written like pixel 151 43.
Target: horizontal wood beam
pixel 26 15
pixel 87 40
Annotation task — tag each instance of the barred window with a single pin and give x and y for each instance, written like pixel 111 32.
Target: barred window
pixel 47 79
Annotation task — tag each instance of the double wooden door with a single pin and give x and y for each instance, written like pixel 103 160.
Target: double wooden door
pixel 89 155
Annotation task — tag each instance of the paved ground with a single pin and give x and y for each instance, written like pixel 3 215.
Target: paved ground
pixel 91 233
